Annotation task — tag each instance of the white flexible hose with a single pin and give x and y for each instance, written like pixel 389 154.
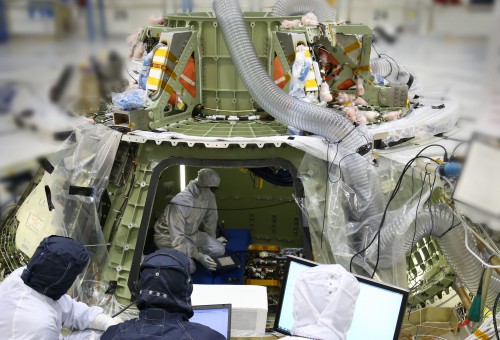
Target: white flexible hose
pixel 320 8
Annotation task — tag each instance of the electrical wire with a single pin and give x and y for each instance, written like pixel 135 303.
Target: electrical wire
pixel 124 309
pixel 416 212
pixel 431 190
pixel 330 165
pixel 393 195
pixel 326 190
pixel 373 45
pixel 445 157
pixel 456 147
pixel 488 329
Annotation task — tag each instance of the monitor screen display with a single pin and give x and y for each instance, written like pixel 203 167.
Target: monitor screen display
pixel 367 319
pixel 217 317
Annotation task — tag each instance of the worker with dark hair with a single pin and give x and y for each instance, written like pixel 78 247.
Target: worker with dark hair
pixel 164 303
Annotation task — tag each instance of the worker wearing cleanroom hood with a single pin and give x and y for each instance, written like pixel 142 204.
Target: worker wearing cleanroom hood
pixel 323 303
pixel 164 303
pixel 178 227
pixel 33 300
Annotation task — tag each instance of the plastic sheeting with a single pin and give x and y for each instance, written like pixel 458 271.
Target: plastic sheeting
pixel 335 236
pixel 66 201
pixel 94 293
pixel 437 115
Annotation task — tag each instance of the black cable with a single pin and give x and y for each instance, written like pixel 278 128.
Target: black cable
pixel 326 190
pixel 124 309
pixel 395 62
pixel 495 316
pixel 445 157
pixel 450 229
pixel 456 147
pixel 373 45
pixel 416 213
pixel 393 195
pixel 329 166
pixel 340 168
pixel 431 189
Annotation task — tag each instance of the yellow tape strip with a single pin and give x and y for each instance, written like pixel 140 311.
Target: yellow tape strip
pixel 352 47
pixel 161 85
pixel 154 82
pixel 161 52
pixel 480 335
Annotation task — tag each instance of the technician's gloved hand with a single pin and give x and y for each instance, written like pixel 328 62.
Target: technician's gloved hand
pixel 206 261
pixel 103 321
pixel 222 240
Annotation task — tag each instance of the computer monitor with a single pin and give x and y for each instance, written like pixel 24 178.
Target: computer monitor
pixel 379 308
pixel 217 317
pixel 478 186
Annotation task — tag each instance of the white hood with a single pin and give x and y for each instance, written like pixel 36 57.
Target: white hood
pixel 324 301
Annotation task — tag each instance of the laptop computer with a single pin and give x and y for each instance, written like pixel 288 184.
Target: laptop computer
pixel 217 317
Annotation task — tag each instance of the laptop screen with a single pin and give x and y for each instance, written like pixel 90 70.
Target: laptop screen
pixel 217 317
pixel 367 319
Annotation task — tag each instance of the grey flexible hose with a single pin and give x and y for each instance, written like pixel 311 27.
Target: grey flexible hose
pixel 320 8
pixel 435 220
pixel 325 122
pixel 388 69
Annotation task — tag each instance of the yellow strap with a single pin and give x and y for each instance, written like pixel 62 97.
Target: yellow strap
pixel 161 85
pixel 480 335
pixel 352 47
pixel 164 52
pixel 166 69
pixel 365 68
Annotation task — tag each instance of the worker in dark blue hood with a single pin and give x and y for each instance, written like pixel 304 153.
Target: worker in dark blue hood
pixel 164 302
pixel 55 265
pixel 33 299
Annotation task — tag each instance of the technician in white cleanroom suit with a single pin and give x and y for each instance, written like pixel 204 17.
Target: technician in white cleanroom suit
pixel 33 300
pixel 178 226
pixel 323 303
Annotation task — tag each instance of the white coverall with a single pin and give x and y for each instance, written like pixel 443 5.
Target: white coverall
pixel 28 315
pixel 178 226
pixel 323 303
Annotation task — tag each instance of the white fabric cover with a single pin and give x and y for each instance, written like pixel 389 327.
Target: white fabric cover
pixel 29 315
pixel 178 226
pixel 324 301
